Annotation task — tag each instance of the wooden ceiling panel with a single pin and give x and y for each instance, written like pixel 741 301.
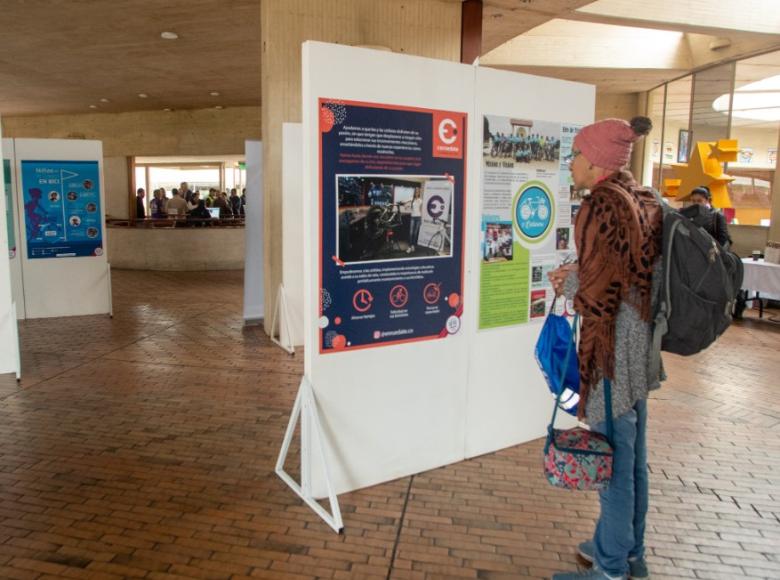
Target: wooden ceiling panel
pixel 503 20
pixel 606 80
pixel 62 56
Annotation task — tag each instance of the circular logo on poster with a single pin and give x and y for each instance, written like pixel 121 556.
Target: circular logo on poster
pixel 448 131
pixel 435 206
pixel 534 212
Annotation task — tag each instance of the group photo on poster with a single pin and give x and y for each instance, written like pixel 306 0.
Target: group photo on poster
pixel 381 217
pixel 62 208
pixel 391 235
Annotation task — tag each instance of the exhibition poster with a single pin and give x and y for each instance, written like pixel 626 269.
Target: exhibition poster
pixel 527 216
pixel 62 208
pixel 9 209
pixel 392 191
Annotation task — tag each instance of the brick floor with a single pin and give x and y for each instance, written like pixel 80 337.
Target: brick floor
pixel 143 447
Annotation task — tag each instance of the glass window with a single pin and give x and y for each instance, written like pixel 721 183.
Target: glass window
pixel 201 177
pixel 755 124
pixel 708 123
pixel 652 155
pixel 140 178
pixel 676 146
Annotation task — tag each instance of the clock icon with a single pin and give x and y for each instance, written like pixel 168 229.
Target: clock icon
pixel 362 300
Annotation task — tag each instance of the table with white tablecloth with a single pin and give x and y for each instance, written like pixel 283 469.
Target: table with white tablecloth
pixel 763 278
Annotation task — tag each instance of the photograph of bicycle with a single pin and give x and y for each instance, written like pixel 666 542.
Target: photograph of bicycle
pixel 393 217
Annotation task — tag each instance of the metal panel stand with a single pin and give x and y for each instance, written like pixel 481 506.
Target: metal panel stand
pixel 280 312
pixel 305 409
pixel 17 348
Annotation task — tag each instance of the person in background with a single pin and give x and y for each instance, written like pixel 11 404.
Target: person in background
pixel 140 203
pixel 200 212
pixel 243 202
pixel 618 234
pixel 212 197
pixel 192 204
pixel 235 202
pixel 224 206
pixel 712 220
pixel 177 206
pixel 157 205
pixel 184 190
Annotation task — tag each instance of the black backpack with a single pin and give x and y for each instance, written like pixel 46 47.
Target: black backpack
pixel 701 280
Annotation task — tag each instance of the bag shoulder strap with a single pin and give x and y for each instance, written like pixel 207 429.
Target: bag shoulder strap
pixel 572 346
pixel 608 411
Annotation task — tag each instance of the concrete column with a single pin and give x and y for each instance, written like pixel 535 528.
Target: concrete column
pixel 429 28
pixel 471 31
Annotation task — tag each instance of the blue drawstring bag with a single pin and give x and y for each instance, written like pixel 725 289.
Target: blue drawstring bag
pixel 556 353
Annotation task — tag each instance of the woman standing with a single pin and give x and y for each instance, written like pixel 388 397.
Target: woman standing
pixel 618 234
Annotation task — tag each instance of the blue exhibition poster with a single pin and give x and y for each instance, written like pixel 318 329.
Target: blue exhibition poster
pixel 62 208
pixel 392 192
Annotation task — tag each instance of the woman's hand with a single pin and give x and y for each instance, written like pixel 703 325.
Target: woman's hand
pixel 558 276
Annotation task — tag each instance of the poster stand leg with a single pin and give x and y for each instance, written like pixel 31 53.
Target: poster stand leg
pixel 280 312
pixel 110 293
pixel 17 348
pixel 305 409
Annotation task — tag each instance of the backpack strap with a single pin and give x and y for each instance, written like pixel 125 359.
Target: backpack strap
pixel 660 321
pixel 551 426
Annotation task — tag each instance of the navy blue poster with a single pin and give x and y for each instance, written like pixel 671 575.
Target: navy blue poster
pixel 62 209
pixel 392 187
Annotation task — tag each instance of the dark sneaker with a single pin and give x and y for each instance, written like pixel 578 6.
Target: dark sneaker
pixel 637 568
pixel 589 574
pixel 587 551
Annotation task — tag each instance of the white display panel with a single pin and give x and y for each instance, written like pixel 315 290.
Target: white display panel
pixel 292 231
pixel 508 399
pixel 8 330
pixel 394 410
pixel 388 411
pixel 254 299
pixel 64 286
pixel 17 291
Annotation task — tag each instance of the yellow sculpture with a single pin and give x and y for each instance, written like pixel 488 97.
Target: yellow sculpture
pixel 704 168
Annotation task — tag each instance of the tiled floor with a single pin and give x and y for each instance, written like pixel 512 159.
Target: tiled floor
pixel 143 447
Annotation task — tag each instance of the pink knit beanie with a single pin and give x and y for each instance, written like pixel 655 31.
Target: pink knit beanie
pixel 608 143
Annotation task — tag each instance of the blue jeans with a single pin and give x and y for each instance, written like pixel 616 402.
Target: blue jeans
pixel 414 230
pixel 620 532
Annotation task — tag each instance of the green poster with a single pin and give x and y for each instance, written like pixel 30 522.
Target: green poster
pixel 9 209
pixel 503 289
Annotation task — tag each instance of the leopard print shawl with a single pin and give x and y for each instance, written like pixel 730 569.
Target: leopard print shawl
pixel 618 232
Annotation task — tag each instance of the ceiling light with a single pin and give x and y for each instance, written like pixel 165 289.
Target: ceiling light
pixel 214 93
pixel 104 100
pixel 142 95
pixel 167 110
pixel 758 101
pixel 93 106
pixel 167 35
pixel 218 106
